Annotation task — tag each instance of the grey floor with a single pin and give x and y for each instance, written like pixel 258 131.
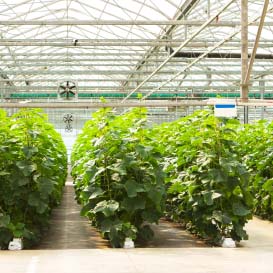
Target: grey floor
pixel 73 246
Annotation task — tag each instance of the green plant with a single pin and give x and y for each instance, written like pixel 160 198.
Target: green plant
pixel 32 173
pixel 117 176
pixel 256 144
pixel 208 185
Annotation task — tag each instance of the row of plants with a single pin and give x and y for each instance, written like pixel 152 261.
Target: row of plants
pixel 208 185
pixel 33 169
pixel 209 174
pixel 256 149
pixel 117 176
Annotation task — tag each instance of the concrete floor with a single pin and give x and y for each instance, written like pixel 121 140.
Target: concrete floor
pixel 69 230
pixel 72 246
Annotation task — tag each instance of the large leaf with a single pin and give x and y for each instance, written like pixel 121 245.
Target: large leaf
pixel 23 181
pixel 4 220
pixel 239 209
pixel 176 187
pixel 27 167
pixel 209 196
pixel 217 175
pixel 4 173
pixel 86 209
pixel 29 151
pixel 221 217
pixel 268 185
pixel 133 204
pixel 133 188
pixel 156 196
pixel 107 224
pixel 95 193
pixel 46 186
pixel 108 208
pixel 34 199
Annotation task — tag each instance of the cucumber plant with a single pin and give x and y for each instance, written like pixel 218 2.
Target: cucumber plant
pixel 256 142
pixel 208 184
pixel 33 167
pixel 117 177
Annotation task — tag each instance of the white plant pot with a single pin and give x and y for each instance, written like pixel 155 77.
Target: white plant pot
pixel 129 243
pixel 228 243
pixel 16 244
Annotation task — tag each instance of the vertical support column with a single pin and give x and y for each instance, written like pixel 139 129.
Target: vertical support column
pixel 262 90
pixel 209 76
pixel 185 28
pixel 244 55
pixel 209 8
pixel 1 92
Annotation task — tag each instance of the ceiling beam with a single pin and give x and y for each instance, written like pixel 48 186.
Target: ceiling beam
pixel 167 88
pixel 178 22
pixel 70 73
pixel 100 42
pixel 51 80
pixel 77 54
pixel 262 59
pixel 128 104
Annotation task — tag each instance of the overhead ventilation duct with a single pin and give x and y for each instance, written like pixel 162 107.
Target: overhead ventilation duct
pixel 215 55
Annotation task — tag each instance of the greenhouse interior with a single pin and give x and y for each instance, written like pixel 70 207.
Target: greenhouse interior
pixel 136 136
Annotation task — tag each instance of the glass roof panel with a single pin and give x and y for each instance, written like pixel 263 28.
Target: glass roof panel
pixel 113 45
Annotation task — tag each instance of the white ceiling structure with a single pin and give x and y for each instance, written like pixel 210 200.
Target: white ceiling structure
pixel 125 47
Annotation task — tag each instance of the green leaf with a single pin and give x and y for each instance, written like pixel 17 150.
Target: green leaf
pixel 46 186
pixel 176 187
pixel 156 196
pixel 239 209
pixel 23 181
pixel 4 220
pixel 133 188
pixel 29 151
pixel 150 216
pixel 217 175
pixel 27 167
pixel 97 192
pixel 240 232
pixel 133 204
pixel 221 217
pixel 108 208
pixel 4 173
pixel 42 207
pixel 216 195
pixel 116 237
pixel 139 96
pixel 146 233
pixel 86 208
pixel 33 199
pixel 5 237
pixel 268 185
pixel 208 198
pixel 107 224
